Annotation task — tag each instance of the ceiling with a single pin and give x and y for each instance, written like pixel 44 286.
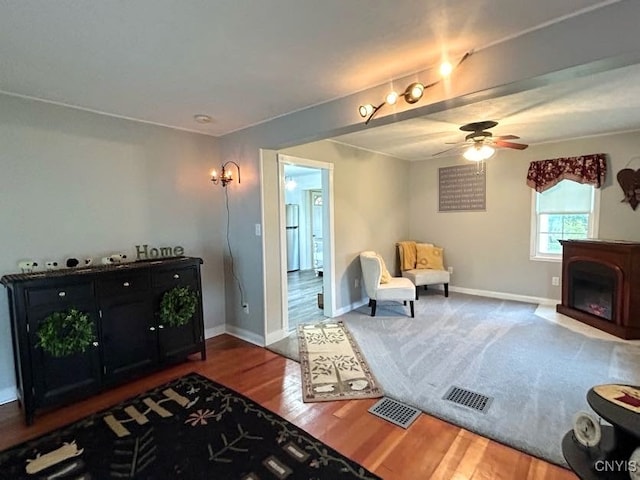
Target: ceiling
pixel 245 62
pixel 607 102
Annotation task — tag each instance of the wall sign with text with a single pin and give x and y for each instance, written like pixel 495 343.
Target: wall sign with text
pixel 462 188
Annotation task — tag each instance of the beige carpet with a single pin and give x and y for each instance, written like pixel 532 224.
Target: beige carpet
pixel 332 366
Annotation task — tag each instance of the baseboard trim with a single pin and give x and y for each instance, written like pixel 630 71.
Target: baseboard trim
pixel 348 308
pixel 8 395
pixel 214 331
pixel 245 335
pixel 278 335
pixel 504 295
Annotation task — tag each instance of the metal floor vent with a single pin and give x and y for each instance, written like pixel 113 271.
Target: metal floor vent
pixel 469 399
pixel 395 412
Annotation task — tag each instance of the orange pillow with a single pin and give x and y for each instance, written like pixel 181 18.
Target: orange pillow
pixel 429 256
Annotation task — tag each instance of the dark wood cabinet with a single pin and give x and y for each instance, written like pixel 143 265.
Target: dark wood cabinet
pixel 123 303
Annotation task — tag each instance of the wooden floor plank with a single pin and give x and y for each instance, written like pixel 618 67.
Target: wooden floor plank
pixel 429 449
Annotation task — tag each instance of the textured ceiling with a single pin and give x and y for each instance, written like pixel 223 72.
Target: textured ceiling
pixel 242 62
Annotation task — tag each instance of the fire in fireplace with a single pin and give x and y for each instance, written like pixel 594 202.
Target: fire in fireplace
pixel 592 288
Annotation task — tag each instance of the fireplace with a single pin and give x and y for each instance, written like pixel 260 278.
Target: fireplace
pixel 592 288
pixel 601 285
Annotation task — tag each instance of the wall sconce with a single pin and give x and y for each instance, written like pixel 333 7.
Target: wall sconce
pixel 226 174
pixel 412 94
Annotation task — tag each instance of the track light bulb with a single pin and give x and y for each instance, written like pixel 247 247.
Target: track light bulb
pixel 392 98
pixel 414 92
pixel 445 69
pixel 365 110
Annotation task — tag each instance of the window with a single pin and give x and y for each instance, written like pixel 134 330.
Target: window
pixel 566 211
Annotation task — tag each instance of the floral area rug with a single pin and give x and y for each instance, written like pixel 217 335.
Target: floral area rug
pixel 332 366
pixel 191 428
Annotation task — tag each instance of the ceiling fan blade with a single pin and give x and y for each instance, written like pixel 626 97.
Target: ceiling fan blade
pixel 503 144
pixel 506 137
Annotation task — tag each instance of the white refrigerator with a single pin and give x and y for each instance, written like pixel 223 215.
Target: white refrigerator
pixel 293 237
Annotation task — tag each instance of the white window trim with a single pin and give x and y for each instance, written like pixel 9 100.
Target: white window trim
pixel 594 227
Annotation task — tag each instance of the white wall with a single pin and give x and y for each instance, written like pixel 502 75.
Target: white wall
pixel 370 208
pixel 78 184
pixel 490 250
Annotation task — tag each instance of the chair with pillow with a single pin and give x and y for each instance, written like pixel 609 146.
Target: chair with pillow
pixel 423 264
pixel 380 285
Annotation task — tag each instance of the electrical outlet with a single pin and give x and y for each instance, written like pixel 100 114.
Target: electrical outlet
pixel 555 281
pixel 356 283
pixel 245 307
pixel 450 270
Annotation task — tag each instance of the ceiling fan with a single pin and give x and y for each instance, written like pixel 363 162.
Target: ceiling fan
pixel 481 143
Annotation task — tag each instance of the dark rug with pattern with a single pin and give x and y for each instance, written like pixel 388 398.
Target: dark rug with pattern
pixel 191 428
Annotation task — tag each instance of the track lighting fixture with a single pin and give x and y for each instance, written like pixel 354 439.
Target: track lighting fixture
pixel 226 174
pixel 412 94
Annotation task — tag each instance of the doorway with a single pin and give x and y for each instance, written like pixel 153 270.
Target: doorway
pixel 307 224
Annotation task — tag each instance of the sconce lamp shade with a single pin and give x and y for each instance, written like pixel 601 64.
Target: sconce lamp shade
pixel 478 152
pixel 226 174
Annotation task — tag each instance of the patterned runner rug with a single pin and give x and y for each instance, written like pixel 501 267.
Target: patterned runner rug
pixel 191 428
pixel 332 366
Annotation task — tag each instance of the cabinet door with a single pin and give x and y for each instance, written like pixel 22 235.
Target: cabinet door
pixel 129 337
pixel 56 380
pixel 176 343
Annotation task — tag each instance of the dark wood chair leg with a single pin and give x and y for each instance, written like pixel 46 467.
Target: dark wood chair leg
pixel 426 287
pixel 370 302
pixel 373 307
pixel 411 306
pixel 417 292
pixel 404 303
pixel 446 289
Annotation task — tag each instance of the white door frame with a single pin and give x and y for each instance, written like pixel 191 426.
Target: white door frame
pixel 328 246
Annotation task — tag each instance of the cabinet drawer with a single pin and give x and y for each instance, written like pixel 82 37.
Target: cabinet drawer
pixel 123 285
pixel 62 294
pixel 178 276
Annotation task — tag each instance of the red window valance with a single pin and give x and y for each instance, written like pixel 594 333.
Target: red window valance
pixel 591 169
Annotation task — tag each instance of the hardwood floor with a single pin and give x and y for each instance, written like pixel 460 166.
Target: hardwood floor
pixel 429 449
pixel 303 287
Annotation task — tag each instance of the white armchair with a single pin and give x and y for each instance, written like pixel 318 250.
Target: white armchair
pixel 423 276
pixel 396 288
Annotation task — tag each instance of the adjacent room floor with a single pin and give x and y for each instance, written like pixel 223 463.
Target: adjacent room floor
pixel 303 287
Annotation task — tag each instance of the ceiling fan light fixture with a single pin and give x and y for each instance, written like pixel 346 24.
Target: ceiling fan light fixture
pixel 478 152
pixel 414 92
